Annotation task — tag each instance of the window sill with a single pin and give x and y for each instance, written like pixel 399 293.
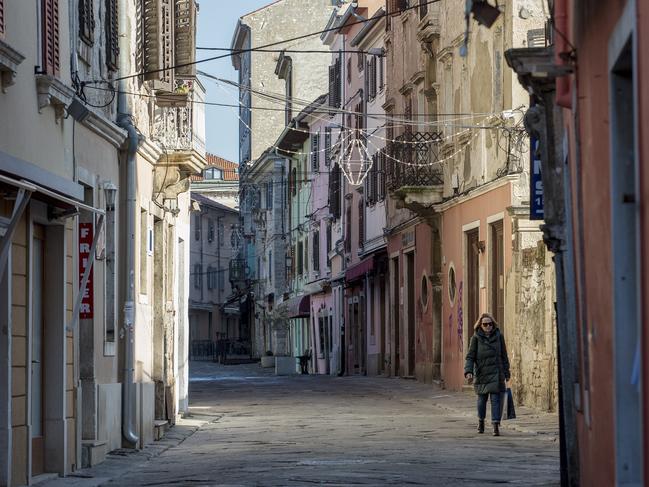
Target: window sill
pixel 52 91
pixel 9 61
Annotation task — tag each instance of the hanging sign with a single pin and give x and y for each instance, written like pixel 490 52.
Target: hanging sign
pixel 85 243
pixel 536 183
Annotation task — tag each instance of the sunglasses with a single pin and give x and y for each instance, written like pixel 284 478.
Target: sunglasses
pixel 487 323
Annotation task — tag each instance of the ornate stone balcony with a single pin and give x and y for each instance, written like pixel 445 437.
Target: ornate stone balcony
pixel 179 129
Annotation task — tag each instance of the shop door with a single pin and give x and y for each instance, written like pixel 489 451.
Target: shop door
pixel 37 396
pixel 396 307
pixel 383 327
pixel 472 306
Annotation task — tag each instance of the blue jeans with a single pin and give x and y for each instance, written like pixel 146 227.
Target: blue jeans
pixel 496 411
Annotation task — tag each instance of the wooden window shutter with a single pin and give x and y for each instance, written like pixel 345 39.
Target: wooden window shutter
pixel 159 42
pixel 2 18
pixel 87 21
pixel 337 82
pixel 185 33
pixel 327 147
pixel 316 251
pixel 51 40
pixel 332 85
pixel 361 222
pixel 315 147
pixel 112 34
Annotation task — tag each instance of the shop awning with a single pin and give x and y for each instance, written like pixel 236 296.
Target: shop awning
pixel 297 307
pixel 359 270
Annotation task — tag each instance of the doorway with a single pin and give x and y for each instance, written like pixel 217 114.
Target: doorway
pixel 497 260
pixel 626 234
pixel 472 305
pixel 410 313
pixel 383 328
pixel 37 331
pixel 396 302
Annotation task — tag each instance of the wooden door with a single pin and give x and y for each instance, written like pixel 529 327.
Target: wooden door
pixel 410 269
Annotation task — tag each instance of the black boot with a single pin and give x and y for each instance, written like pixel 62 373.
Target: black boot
pixel 481 426
pixel 496 429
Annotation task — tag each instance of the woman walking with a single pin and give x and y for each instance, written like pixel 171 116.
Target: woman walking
pixel 487 365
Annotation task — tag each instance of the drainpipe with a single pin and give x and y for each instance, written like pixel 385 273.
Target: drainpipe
pixel 125 121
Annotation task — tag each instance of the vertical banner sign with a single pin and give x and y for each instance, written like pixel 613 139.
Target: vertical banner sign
pixel 536 183
pixel 85 242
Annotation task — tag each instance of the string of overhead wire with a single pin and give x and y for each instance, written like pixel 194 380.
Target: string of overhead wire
pixel 266 46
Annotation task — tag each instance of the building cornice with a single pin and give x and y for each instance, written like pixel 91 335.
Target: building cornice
pixel 102 126
pixel 479 191
pixel 9 61
pixel 149 150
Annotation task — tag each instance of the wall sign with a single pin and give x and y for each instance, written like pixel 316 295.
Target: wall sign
pixel 536 182
pixel 85 243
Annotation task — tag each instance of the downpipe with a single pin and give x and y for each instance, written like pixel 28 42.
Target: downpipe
pixel 124 120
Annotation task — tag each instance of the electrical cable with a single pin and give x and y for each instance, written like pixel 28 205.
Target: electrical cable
pixel 272 44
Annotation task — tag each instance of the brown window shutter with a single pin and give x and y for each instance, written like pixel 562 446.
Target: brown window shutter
pixel 158 42
pixel 185 33
pixel 361 222
pixel 51 53
pixel 87 21
pixel 112 34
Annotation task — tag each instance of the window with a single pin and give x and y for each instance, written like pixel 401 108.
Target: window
pixel 50 49
pixel 371 77
pixel 423 8
pixel 269 195
pixel 87 21
pixel 210 230
pixel 2 18
pixel 381 62
pixel 327 147
pixel 334 84
pixel 328 243
pixel 349 70
pixel 334 191
pixel 315 154
pixel 112 34
pixel 294 181
pixel 361 222
pixel 348 228
pixel 381 176
pixel 300 263
pixel 316 251
pixel 197 226
pixel 211 278
pixel 270 266
pixel 198 276
pixel 144 254
pixel 360 59
pixel 213 173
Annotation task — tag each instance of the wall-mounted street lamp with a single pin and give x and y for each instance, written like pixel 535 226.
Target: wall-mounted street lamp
pixel 110 192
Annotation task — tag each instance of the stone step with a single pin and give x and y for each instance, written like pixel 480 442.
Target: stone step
pixel 160 427
pixel 93 452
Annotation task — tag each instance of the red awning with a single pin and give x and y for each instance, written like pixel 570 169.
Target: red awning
pixel 359 270
pixel 297 307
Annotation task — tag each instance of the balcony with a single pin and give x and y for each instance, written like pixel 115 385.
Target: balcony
pixel 239 273
pixel 412 175
pixel 179 129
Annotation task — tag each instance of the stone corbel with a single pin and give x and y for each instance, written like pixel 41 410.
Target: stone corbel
pixel 52 91
pixel 9 61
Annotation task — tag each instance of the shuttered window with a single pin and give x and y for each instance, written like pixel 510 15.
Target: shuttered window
pixel 334 192
pixel 158 16
pixel 381 176
pixel 361 222
pixel 316 251
pixel 348 228
pixel 2 18
pixel 87 21
pixel 185 34
pixel 51 42
pixel 327 147
pixel 315 152
pixel 334 84
pixel 112 34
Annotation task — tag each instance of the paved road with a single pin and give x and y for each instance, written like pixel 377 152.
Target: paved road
pixel 263 430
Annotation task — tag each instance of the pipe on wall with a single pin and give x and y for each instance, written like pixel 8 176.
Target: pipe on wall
pixel 125 121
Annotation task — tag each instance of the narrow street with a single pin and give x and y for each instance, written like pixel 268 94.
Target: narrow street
pixel 260 429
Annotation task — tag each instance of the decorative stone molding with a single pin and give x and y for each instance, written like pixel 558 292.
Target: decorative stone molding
pixel 9 61
pixel 109 131
pixel 52 91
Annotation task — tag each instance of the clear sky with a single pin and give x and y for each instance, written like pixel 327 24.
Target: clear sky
pixel 217 20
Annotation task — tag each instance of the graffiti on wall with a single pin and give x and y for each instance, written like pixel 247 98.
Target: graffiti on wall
pixel 460 317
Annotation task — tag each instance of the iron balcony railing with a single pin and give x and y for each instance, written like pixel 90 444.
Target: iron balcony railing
pixel 412 160
pixel 238 271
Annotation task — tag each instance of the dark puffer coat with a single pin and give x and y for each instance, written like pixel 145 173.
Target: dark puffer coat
pixel 488 362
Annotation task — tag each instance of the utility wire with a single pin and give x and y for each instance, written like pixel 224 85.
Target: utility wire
pixel 297 51
pixel 272 44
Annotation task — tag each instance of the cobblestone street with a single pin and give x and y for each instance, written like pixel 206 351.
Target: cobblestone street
pixel 259 429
